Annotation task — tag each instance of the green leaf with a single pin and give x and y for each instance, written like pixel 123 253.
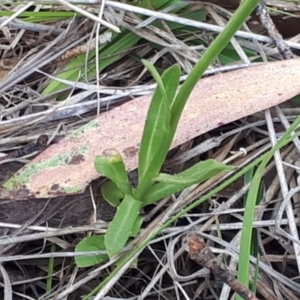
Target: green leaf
pixel 91 243
pixel 155 140
pixel 109 53
pixel 111 193
pixel 249 244
pixel 170 184
pixel 246 238
pixel 137 226
pixel 204 170
pixel 121 227
pixel 41 16
pixel 156 77
pixel 112 166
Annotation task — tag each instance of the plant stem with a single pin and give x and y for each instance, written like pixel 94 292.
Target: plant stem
pixel 237 20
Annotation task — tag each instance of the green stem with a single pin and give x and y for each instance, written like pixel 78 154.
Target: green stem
pixel 217 46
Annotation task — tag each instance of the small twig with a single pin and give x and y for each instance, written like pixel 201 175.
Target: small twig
pixel 39 145
pixel 202 255
pixel 7 284
pixel 274 34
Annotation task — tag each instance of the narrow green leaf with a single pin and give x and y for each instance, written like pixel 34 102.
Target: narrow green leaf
pixel 248 177
pixel 91 243
pixel 250 205
pixel 151 68
pixel 171 184
pixel 156 3
pixel 111 193
pixel 51 265
pixel 122 225
pixel 110 53
pixel 171 85
pixel 112 166
pixel 204 170
pixel 246 238
pixel 249 244
pixel 33 16
pixel 153 149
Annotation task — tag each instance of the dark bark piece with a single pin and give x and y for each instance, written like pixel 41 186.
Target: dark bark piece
pixel 41 142
pixel 39 145
pixel 74 210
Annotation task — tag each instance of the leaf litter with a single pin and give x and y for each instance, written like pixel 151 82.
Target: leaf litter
pixel 66 167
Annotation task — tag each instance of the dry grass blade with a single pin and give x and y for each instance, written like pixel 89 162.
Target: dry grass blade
pixel 88 15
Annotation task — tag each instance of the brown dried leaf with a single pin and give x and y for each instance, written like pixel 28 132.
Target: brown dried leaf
pixel 68 167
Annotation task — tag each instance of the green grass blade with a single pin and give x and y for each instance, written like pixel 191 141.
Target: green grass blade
pixel 244 262
pixel 109 53
pixel 50 271
pixel 40 16
pixel 246 239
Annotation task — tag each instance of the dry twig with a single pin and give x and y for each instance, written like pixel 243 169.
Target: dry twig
pixel 202 255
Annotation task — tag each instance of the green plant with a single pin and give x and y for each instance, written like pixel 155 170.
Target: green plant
pixel 158 133
pixel 161 123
